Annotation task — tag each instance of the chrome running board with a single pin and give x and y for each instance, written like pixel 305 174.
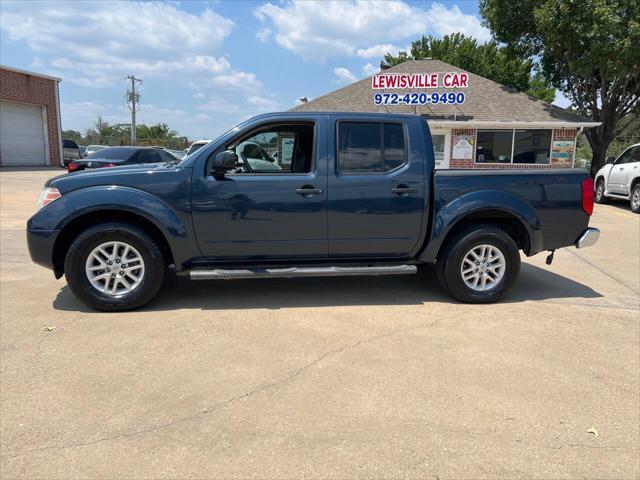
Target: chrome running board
pixel 291 272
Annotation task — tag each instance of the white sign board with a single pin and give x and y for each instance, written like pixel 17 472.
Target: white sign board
pixel 463 147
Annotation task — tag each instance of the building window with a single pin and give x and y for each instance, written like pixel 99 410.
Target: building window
pixel 368 147
pixel 513 146
pixel 494 146
pixel 532 146
pixel 438 141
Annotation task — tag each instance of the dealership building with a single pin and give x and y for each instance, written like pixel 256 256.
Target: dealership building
pixel 29 119
pixel 495 127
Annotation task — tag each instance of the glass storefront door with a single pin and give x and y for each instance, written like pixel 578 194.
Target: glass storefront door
pixel 441 140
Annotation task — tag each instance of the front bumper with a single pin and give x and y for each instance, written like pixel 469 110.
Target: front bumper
pixel 40 243
pixel 589 237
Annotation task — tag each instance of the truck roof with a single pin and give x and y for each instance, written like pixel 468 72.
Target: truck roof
pixel 300 113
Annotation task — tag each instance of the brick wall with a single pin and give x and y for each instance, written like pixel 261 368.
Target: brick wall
pixel 557 134
pixel 23 88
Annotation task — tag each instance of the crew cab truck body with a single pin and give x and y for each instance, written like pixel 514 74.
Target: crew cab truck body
pixel 348 194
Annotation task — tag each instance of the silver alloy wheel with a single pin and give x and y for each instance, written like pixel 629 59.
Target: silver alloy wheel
pixel 635 200
pixel 115 268
pixel 600 190
pixel 483 267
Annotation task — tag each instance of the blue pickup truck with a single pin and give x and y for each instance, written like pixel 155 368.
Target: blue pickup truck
pixel 305 194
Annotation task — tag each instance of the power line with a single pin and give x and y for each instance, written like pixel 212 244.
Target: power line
pixel 133 102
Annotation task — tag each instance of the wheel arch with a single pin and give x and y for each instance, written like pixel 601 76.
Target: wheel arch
pixel 509 211
pixel 80 223
pixel 505 220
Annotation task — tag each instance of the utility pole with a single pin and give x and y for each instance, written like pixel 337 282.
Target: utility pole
pixel 133 102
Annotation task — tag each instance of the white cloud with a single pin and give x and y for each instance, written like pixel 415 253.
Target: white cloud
pixel 105 42
pixel 344 75
pixel 102 30
pixel 237 81
pixel 264 34
pixel 262 104
pixel 319 30
pixel 452 20
pixel 378 51
pixel 81 115
pixel 370 69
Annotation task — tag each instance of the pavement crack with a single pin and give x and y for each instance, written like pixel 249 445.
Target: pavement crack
pixel 617 280
pixel 287 378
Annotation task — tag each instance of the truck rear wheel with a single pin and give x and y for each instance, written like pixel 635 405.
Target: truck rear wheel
pixel 479 264
pixel 114 267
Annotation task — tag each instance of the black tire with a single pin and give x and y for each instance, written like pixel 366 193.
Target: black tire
pixel 599 196
pixel 450 261
pixel 80 249
pixel 634 198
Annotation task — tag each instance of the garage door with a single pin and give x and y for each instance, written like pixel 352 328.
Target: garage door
pixel 21 135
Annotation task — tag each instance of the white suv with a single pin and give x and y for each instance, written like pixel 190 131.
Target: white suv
pixel 620 178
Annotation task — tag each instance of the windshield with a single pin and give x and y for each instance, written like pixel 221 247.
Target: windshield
pixel 94 148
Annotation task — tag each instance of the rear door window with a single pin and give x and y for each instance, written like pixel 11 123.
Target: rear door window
pixel 370 147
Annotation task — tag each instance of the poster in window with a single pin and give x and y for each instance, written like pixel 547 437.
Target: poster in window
pixel 463 147
pixel 562 150
pixel 286 149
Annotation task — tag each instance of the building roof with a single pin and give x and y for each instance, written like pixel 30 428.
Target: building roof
pixel 486 102
pixel 27 72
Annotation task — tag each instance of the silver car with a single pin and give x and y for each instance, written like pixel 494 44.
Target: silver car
pixel 70 151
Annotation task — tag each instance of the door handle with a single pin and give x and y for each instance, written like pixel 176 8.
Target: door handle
pixel 622 169
pixel 308 190
pixel 404 189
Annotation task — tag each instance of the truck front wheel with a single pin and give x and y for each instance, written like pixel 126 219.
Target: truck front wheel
pixel 114 267
pixel 479 264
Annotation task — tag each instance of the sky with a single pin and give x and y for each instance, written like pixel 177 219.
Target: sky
pixel 208 65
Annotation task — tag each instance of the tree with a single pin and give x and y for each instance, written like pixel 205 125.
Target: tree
pixel 72 135
pixel 159 134
pixel 588 49
pixel 489 60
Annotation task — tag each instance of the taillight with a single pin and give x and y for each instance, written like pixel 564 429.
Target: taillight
pixel 110 165
pixel 48 195
pixel 72 167
pixel 587 196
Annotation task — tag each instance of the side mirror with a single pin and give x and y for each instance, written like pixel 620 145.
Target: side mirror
pixel 610 160
pixel 223 161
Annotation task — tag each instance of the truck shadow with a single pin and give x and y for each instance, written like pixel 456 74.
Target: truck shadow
pixel 534 283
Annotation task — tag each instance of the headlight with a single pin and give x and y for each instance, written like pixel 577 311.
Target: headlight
pixel 48 195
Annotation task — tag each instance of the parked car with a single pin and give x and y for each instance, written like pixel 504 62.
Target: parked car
pixel 92 149
pixel 179 154
pixel 620 178
pixel 359 197
pixel 70 151
pixel 118 156
pixel 197 145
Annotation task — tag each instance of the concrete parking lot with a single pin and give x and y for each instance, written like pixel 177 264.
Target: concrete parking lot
pixel 324 378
